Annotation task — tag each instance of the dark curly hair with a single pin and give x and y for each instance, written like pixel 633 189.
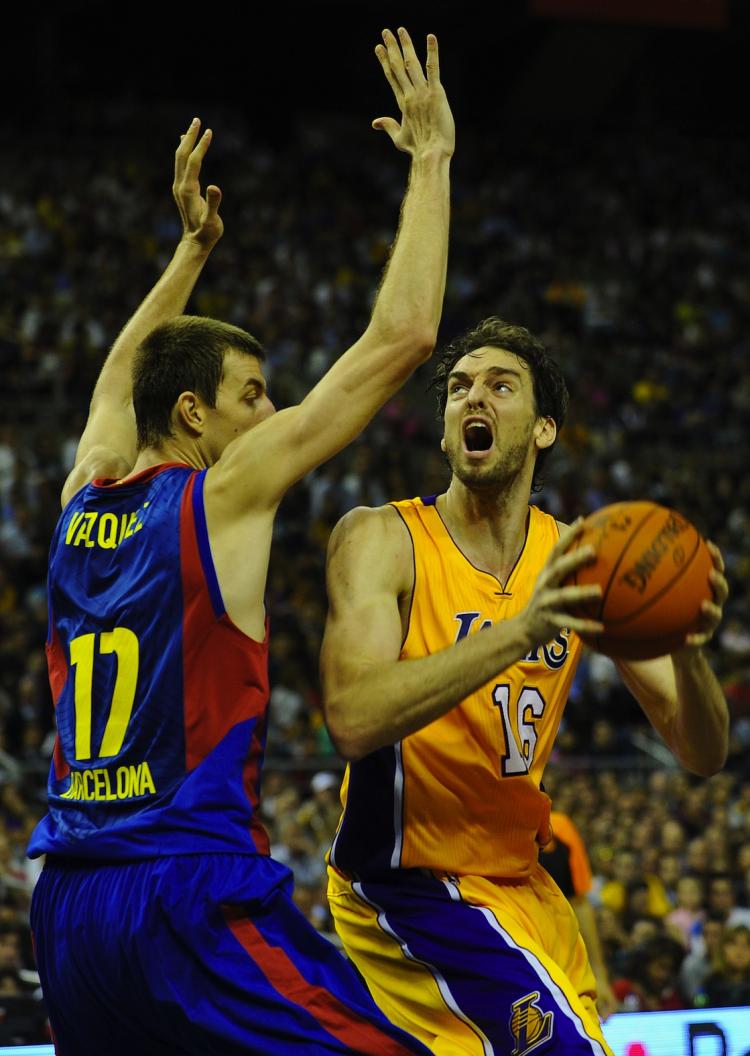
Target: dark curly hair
pixel 550 390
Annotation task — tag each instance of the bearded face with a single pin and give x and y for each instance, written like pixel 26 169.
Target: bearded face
pixel 492 429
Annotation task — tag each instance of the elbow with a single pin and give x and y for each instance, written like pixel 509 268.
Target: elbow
pixel 708 766
pixel 411 347
pixel 701 770
pixel 711 760
pixel 350 743
pixel 422 345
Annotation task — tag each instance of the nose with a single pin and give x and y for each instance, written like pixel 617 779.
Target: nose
pixel 475 395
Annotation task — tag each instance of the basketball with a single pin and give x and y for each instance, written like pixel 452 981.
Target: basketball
pixel 653 568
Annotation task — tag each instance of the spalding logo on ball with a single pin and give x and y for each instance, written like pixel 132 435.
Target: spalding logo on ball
pixel 653 568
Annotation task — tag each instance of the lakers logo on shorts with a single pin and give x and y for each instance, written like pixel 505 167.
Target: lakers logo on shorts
pixel 529 1026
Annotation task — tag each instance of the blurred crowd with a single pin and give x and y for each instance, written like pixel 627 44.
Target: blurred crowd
pixel 670 858
pixel 630 257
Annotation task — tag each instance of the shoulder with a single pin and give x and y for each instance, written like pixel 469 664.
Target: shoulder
pixel 100 462
pixel 375 539
pixel 370 525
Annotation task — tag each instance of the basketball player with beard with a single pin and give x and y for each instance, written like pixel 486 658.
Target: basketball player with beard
pixel 435 885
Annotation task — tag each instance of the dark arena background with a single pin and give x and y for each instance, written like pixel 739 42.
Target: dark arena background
pixel 601 197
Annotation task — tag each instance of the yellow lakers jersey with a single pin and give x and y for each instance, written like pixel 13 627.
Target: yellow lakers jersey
pixel 462 795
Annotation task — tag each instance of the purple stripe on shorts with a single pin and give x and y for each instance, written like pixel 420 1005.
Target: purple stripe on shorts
pixel 498 987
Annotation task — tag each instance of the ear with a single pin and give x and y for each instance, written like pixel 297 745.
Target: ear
pixel 545 432
pixel 442 444
pixel 189 413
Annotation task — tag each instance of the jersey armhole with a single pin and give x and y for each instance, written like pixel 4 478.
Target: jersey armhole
pixel 204 546
pixel 414 573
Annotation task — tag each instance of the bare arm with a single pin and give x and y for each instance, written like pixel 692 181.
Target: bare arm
pixel 403 327
pixel 681 695
pixel 108 444
pixel 372 698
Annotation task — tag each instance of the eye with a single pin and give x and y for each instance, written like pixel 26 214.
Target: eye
pixel 502 385
pixel 458 387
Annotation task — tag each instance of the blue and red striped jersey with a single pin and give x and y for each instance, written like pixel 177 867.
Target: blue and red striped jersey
pixel 160 699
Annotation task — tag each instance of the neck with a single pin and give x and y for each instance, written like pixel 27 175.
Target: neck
pixel 488 524
pixel 177 450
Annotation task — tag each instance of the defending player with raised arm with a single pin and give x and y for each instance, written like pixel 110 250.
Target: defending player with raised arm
pixel 448 729
pixel 256 454
pixel 107 447
pixel 161 922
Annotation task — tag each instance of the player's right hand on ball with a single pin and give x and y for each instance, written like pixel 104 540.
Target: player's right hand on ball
pixel 426 119
pixel 553 606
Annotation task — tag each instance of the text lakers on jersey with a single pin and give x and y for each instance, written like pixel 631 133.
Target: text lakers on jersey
pixel 554 654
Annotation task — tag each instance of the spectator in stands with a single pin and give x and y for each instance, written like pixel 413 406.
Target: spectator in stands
pixel 704 958
pixel 721 899
pixel 652 984
pixel 321 811
pixel 614 893
pixel 729 985
pixel 686 921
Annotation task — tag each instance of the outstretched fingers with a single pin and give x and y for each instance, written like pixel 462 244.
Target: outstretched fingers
pixel 563 560
pixel 577 603
pixel 412 65
pixel 584 627
pixel 187 142
pixel 579 606
pixel 394 68
pixel 196 156
pixel 433 60
pixel 382 53
pixel 201 222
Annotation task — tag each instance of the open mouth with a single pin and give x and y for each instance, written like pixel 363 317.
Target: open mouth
pixel 477 437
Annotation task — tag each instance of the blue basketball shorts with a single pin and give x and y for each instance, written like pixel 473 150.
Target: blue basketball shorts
pixel 198 954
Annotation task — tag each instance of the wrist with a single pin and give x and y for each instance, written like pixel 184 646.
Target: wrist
pixel 520 637
pixel 189 247
pixel 431 158
pixel 688 657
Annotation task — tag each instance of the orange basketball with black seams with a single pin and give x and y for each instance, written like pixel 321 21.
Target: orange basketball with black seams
pixel 653 568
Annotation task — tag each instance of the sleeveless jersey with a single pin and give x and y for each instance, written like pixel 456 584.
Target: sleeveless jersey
pixel 160 699
pixel 462 796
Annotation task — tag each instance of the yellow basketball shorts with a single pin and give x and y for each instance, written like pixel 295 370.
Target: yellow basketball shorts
pixel 470 965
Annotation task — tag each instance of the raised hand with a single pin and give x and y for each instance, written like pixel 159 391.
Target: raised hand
pixel 201 222
pixel 426 118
